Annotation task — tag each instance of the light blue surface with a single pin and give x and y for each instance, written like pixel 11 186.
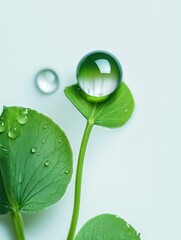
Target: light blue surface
pixel 143 159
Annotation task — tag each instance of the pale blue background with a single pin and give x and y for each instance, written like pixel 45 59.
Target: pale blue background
pixel 135 171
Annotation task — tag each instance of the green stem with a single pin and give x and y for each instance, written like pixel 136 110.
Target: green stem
pixel 78 180
pixel 18 224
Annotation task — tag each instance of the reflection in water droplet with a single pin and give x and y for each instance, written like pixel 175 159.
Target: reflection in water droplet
pixel 33 149
pixel 67 171
pixel 98 75
pixel 22 119
pixel 2 127
pixel 12 133
pixel 47 81
pixel 47 163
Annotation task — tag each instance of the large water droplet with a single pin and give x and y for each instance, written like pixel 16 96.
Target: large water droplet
pixel 98 75
pixel 2 127
pixel 33 149
pixel 47 163
pixel 12 133
pixel 47 81
pixel 22 119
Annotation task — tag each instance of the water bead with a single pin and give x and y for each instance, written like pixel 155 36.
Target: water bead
pixel 22 119
pixel 67 171
pixel 33 149
pixel 98 75
pixel 47 81
pixel 2 127
pixel 47 163
pixel 12 133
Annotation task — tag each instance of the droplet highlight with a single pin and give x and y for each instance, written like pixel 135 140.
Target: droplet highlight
pixel 2 127
pixel 47 81
pixel 98 75
pixel 12 133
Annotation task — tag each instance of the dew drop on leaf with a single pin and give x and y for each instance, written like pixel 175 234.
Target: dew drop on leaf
pixel 22 119
pixel 12 133
pixel 2 127
pixel 67 171
pixel 21 176
pixel 33 149
pixel 43 141
pixel 47 163
pixel 98 75
pixel 44 126
pixel 4 149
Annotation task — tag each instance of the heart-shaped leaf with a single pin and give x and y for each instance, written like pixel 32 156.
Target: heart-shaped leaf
pixel 35 161
pixel 112 113
pixel 107 227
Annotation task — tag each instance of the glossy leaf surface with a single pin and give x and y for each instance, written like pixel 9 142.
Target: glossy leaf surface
pixel 35 161
pixel 107 227
pixel 112 113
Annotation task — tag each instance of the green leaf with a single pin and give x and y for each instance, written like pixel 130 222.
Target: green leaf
pixel 111 113
pixel 107 227
pixel 35 161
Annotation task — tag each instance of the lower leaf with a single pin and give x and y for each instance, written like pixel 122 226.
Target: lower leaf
pixel 107 227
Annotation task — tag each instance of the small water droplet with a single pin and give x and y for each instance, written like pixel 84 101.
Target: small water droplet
pixel 43 141
pixel 25 111
pixel 22 119
pixel 2 127
pixel 45 126
pixel 12 133
pixel 54 152
pixel 98 75
pixel 126 110
pixel 60 140
pixel 33 149
pixel 47 81
pixel 128 225
pixel 67 171
pixel 47 163
pixel 4 149
pixel 38 154
pixel 58 146
pixel 21 176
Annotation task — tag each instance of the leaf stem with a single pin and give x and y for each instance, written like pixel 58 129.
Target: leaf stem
pixel 18 224
pixel 78 180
